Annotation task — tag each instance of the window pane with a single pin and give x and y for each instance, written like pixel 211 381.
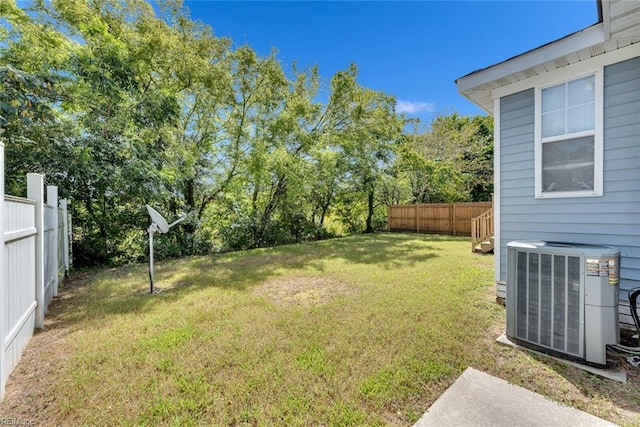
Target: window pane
pixel 568 165
pixel 553 98
pixel 580 118
pixel 581 91
pixel 553 124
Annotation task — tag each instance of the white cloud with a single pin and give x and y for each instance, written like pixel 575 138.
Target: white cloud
pixel 411 107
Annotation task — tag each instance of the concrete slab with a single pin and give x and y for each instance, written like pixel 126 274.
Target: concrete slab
pixel 611 374
pixel 479 399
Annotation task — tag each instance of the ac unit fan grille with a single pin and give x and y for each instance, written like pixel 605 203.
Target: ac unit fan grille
pixel 549 301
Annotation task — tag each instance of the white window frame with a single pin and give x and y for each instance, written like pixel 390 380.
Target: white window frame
pixel 597 139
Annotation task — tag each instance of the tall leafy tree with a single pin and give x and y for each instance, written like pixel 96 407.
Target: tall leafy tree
pixel 370 132
pixel 121 104
pixel 451 161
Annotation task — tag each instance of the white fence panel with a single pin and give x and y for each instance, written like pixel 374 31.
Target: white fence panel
pixel 19 274
pixel 51 244
pixel 19 215
pixel 50 261
pixel 34 252
pixel 62 267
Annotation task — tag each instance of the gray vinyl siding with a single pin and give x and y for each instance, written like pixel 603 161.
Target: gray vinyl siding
pixel 614 218
pixel 516 169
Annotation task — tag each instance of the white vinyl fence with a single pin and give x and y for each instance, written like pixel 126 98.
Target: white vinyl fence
pixel 34 256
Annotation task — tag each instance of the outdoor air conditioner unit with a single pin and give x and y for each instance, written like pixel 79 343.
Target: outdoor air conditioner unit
pixel 562 298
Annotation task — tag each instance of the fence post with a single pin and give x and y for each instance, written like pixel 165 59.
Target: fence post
pixel 417 216
pixel 52 200
pixel 455 218
pixel 69 231
pixel 35 191
pixel 64 204
pixel 3 284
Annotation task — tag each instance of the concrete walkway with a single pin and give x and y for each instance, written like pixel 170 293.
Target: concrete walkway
pixel 479 399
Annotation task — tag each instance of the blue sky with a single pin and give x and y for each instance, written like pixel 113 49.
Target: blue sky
pixel 412 50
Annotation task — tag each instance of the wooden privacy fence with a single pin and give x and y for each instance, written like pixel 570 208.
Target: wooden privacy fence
pixel 33 257
pixel 441 218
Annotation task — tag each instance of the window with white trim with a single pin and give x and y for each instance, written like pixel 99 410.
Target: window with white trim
pixel 569 138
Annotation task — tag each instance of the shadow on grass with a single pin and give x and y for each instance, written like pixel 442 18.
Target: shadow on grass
pixel 115 291
pixel 91 295
pixel 621 395
pixel 386 250
pixel 591 386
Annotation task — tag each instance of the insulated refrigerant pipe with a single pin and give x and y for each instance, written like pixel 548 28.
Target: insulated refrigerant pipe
pixel 633 307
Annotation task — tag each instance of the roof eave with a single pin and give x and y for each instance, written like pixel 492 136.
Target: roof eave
pixel 582 39
pixel 567 45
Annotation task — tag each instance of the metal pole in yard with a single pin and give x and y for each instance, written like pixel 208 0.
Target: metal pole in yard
pixel 151 232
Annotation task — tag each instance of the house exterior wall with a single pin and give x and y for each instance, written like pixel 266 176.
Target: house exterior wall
pixel 614 218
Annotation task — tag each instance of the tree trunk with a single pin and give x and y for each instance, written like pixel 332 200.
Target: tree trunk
pixel 325 209
pixel 274 200
pixel 323 214
pixel 369 228
pixel 190 201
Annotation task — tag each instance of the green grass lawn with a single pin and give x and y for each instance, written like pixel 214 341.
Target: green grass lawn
pixel 365 330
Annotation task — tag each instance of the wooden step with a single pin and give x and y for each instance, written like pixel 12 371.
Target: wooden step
pixel 487 246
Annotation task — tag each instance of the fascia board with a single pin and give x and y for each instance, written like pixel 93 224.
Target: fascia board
pixel 584 67
pixel 565 46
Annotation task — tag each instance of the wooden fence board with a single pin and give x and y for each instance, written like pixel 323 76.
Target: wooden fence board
pixel 439 218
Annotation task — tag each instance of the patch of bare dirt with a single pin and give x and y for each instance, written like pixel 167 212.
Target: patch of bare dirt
pixel 305 291
pixel 26 391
